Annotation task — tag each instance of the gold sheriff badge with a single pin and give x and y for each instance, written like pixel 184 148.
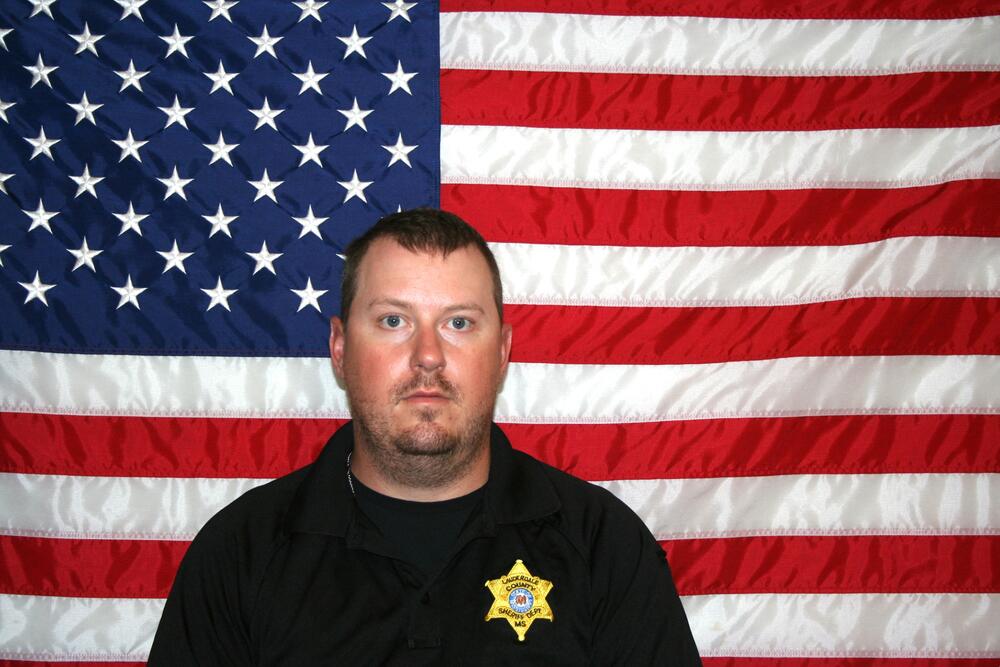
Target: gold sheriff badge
pixel 519 599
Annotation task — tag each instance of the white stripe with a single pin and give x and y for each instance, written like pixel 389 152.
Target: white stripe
pixel 799 625
pixel 715 46
pixel 748 276
pixel 869 504
pixel 865 625
pixel 704 160
pixel 539 393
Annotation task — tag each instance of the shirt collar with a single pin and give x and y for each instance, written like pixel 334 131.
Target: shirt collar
pixel 517 489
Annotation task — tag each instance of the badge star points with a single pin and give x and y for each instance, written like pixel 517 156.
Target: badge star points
pixel 265 43
pixel 36 290
pixel 130 220
pixel 131 77
pixel 266 115
pixel 400 79
pixel 266 187
pixel 310 8
pixel 129 293
pixel 355 116
pixel 309 296
pixel 519 599
pixel 131 7
pixel 310 79
pixel 42 145
pixel 175 113
pixel 219 295
pixel 220 79
pixel 84 256
pixel 130 147
pixel 355 43
pixel 176 42
pixel 221 150
pixel 355 188
pixel 85 182
pixel 175 185
pixel 174 258
pixel 86 41
pixel 85 109
pixel 40 72
pixel 41 7
pixel 399 9
pixel 220 222
pixel 264 259
pixel 220 8
pixel 40 217
pixel 400 152
pixel 3 110
pixel 310 151
pixel 310 223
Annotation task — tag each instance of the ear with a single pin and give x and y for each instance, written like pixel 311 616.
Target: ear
pixel 506 336
pixel 337 331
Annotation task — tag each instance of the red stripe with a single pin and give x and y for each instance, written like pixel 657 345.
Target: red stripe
pixel 882 564
pixel 751 9
pixel 718 103
pixel 870 564
pixel 855 327
pixel 190 447
pixel 534 214
pixel 848 662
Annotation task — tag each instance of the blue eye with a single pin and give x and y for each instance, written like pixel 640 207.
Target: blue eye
pixel 392 321
pixel 459 323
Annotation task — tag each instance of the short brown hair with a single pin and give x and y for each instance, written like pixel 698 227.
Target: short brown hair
pixel 417 230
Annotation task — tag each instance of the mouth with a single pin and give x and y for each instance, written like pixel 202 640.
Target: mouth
pixel 425 396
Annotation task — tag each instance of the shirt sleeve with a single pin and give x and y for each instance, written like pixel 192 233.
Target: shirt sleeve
pixel 639 619
pixel 203 622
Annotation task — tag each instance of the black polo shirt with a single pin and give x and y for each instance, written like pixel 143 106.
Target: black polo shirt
pixel 291 573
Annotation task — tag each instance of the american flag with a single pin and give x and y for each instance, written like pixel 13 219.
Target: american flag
pixel 750 251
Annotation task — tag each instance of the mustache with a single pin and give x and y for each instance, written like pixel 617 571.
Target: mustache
pixel 424 382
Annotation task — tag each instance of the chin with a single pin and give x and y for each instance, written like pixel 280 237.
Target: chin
pixel 428 438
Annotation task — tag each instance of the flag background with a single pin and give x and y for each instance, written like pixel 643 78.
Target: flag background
pixel 750 252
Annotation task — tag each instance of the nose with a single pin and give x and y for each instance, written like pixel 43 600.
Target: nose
pixel 428 352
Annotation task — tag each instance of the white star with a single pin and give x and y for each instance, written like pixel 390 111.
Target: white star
pixel 131 77
pixel 175 184
pixel 36 289
pixel 176 42
pixel 176 113
pixel 85 109
pixel 41 6
pixel 40 217
pixel 220 222
pixel 310 223
pixel 221 79
pixel 129 293
pixel 86 41
pixel 6 31
pixel 42 145
pixel 220 150
pixel 175 258
pixel 355 116
pixel 3 179
pixel 310 151
pixel 3 110
pixel 220 295
pixel 131 7
pixel 355 43
pixel 265 43
pixel 40 72
pixel 130 220
pixel 85 182
pixel 264 259
pixel 399 8
pixel 355 188
pixel 309 296
pixel 130 147
pixel 310 8
pixel 84 256
pixel 266 115
pixel 221 8
pixel 400 152
pixel 2 249
pixel 310 79
pixel 266 187
pixel 400 79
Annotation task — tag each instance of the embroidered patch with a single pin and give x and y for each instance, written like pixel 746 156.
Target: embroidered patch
pixel 519 599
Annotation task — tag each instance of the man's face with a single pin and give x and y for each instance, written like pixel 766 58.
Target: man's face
pixel 422 358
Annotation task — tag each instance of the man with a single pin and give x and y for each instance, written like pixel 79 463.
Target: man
pixel 419 536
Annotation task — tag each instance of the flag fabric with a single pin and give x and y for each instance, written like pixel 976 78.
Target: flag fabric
pixel 750 252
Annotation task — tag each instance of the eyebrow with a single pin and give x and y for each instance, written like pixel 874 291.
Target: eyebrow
pixel 396 303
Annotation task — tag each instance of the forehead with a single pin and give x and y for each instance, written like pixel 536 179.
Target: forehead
pixel 390 271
